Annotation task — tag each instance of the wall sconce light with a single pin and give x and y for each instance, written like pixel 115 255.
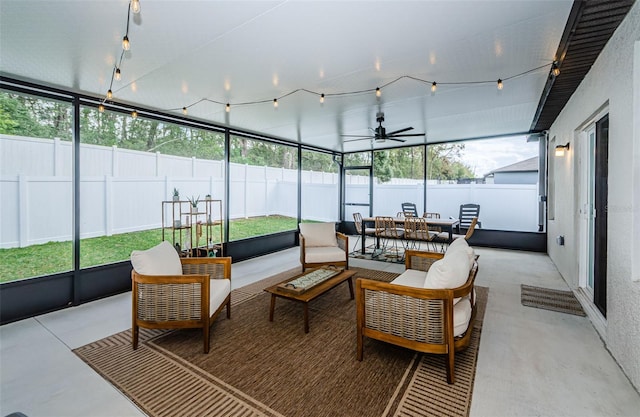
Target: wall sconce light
pixel 560 149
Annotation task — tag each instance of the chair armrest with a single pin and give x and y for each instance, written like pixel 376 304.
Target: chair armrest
pixel 302 248
pixel 421 260
pixel 343 241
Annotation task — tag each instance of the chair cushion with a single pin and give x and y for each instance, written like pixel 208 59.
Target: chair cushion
pixel 411 278
pixel 161 259
pixel 449 272
pixel 218 291
pixel 324 255
pixel 318 234
pixel 461 244
pixel 461 316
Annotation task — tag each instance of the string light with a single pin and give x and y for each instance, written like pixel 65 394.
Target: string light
pixel 134 114
pixel 135 6
pixel 101 108
pixel 125 43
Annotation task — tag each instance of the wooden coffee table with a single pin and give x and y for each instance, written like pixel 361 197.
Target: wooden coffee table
pixel 310 294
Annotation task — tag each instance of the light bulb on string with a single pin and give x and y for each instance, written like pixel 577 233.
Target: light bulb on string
pixel 227 108
pixel 109 94
pixel 125 43
pixel 134 114
pixel 378 92
pixel 135 6
pixel 434 86
pixel 322 98
pixel 184 111
pixel 101 108
pixel 118 74
pixel 555 70
pixel 499 84
pixel 275 103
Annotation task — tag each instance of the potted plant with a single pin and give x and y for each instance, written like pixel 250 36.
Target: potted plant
pixel 176 194
pixel 194 203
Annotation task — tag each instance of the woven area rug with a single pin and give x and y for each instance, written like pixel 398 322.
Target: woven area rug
pixel 261 368
pixel 548 299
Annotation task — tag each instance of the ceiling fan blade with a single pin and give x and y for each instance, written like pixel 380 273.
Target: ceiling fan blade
pixel 407 135
pixel 359 138
pixel 399 131
pixel 397 140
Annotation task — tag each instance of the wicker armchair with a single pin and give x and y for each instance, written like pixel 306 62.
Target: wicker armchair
pixel 321 245
pixel 192 300
pixel 415 318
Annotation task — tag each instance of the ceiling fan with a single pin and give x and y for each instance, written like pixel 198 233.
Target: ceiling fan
pixel 380 134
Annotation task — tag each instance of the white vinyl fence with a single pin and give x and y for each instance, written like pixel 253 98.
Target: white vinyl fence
pixel 121 191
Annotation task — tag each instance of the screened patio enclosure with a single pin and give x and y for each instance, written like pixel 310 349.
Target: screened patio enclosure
pixel 83 190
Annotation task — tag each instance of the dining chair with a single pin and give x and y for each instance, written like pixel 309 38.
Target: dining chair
pixel 368 231
pixel 416 231
pixel 410 207
pixel 467 213
pixel 389 234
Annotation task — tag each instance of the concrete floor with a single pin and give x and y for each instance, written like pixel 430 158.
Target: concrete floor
pixel 531 362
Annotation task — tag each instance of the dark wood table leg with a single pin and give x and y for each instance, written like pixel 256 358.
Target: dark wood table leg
pixel 350 280
pixel 306 317
pixel 273 306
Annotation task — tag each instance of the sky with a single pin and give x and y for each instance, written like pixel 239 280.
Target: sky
pixel 483 156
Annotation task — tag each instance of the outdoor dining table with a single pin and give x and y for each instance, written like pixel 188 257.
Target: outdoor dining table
pixel 447 225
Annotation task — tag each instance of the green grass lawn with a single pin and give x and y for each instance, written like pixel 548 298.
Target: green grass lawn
pixel 54 257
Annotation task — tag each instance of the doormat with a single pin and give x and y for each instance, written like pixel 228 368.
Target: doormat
pixel 548 299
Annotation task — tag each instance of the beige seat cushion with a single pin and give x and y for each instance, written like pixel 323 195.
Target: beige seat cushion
pixel 219 289
pixel 324 254
pixel 161 259
pixel 318 234
pixel 461 316
pixel 411 278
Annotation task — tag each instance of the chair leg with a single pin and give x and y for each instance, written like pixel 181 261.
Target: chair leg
pixel 135 330
pixel 205 333
pixel 451 365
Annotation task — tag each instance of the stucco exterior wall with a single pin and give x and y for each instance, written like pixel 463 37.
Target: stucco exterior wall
pixel 612 80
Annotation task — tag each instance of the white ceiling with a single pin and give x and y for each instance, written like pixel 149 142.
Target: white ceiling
pixel 250 51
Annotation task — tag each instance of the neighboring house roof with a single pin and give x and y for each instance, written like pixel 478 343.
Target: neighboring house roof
pixel 528 165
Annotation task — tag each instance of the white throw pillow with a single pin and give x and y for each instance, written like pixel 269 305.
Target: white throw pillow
pixel 460 244
pixel 161 259
pixel 449 272
pixel 319 234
